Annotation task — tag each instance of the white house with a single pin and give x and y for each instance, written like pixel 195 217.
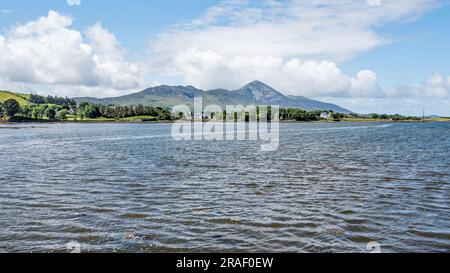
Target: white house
pixel 325 115
pixel 198 116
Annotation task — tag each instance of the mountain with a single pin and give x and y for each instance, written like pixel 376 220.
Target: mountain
pixel 256 93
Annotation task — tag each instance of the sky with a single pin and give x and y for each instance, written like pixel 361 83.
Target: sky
pixel 385 56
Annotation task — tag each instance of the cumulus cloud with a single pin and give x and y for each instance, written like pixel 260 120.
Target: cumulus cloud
pixel 365 84
pixel 48 51
pixel 293 77
pixel 374 2
pixel 295 46
pixel 432 95
pixel 438 86
pixel 109 64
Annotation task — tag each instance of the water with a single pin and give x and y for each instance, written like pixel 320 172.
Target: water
pixel 131 188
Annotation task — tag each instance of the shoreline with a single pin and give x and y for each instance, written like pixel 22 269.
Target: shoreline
pixel 172 121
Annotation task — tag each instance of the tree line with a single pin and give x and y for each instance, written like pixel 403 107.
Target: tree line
pixel 60 109
pixel 396 117
pixel 37 99
pixel 11 109
pixel 292 114
pixel 92 111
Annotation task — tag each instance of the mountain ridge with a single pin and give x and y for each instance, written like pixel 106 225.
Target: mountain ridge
pixel 256 92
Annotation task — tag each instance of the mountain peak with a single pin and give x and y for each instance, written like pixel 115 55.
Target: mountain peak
pixel 254 93
pixel 258 84
pixel 260 92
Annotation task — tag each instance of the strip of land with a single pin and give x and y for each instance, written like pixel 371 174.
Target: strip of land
pixel 31 108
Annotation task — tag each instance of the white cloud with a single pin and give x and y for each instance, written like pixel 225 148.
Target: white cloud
pixel 365 84
pixel 110 66
pixel 209 69
pixel 74 2
pixel 432 95
pixel 374 2
pixel 295 46
pixel 405 106
pixel 47 51
pixel 438 87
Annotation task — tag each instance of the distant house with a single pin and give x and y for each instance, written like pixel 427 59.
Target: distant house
pixel 186 115
pixel 201 116
pixel 325 115
pixel 198 116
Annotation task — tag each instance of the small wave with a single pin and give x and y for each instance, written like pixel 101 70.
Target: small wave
pixel 133 216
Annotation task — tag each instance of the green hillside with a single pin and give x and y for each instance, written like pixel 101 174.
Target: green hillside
pixel 22 99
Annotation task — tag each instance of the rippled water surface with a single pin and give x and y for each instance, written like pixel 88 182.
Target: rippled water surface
pixel 131 188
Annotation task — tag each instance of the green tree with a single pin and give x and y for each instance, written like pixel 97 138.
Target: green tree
pixel 338 116
pixel 1 111
pixel 26 111
pixel 374 116
pixel 50 113
pixel 62 114
pixel 92 111
pixel 81 114
pixel 37 112
pixel 11 107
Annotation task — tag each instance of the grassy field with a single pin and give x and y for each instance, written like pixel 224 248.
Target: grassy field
pixel 437 119
pixel 22 99
pixel 130 119
pixel 139 118
pixel 369 120
pixel 384 120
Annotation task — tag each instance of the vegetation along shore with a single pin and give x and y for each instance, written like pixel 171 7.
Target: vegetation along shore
pixel 17 108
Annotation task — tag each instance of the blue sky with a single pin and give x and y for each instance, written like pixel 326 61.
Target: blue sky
pixel 131 21
pixel 384 56
pixel 421 49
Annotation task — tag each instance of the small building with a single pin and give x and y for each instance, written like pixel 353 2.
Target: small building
pixel 201 116
pixel 198 116
pixel 325 115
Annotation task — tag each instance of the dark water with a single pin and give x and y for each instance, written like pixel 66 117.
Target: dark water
pixel 131 188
